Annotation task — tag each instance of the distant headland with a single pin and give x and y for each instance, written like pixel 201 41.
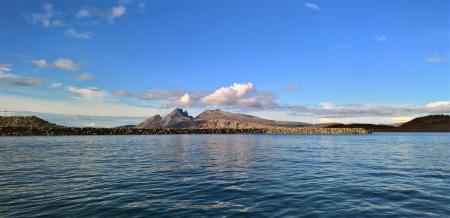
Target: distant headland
pixel 216 122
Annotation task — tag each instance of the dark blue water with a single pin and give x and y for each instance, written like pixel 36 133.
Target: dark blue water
pixel 395 174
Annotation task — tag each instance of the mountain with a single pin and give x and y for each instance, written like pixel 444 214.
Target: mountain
pixel 25 121
pixel 213 119
pixel 431 123
pixel 175 119
pixel 222 119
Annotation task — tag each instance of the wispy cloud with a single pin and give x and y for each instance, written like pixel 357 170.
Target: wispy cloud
pixel 82 13
pixel 9 79
pixel 61 63
pixel 152 95
pixel 116 12
pixel 435 58
pixel 49 17
pixel 331 111
pixel 312 6
pixel 380 38
pixel 84 76
pixel 109 14
pixel 55 85
pixel 71 32
pixel 89 93
pixel 292 87
pixel 46 18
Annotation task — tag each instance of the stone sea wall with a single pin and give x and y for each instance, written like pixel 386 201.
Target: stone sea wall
pixel 30 131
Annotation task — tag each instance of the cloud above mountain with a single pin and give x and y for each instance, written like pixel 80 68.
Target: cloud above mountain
pixel 231 95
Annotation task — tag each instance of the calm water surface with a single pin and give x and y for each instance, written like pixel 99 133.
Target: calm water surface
pixel 390 174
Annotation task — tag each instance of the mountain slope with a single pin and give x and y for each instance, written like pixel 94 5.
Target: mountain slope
pixel 222 119
pixel 152 122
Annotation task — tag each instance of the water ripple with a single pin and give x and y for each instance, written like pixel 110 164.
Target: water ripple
pixel 390 175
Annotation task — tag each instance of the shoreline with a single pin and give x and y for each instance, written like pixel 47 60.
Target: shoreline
pixel 62 131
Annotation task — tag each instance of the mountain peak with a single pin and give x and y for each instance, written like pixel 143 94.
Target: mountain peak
pixel 179 112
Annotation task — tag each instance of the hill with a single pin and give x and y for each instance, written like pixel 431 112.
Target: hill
pixel 431 123
pixel 24 121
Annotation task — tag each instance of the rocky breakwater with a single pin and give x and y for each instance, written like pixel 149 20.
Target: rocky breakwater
pixel 313 131
pixel 55 131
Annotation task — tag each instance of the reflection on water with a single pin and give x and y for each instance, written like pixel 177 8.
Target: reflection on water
pixel 398 174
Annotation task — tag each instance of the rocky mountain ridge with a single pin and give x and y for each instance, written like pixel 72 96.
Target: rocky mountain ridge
pixel 216 118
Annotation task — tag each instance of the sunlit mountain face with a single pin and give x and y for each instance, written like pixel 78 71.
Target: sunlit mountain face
pixel 108 63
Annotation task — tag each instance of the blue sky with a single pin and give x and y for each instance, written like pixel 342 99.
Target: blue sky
pixel 314 61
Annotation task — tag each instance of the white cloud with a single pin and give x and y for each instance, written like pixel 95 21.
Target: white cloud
pixel 40 63
pixel 83 13
pixel 438 104
pixel 45 18
pixel 237 95
pixel 381 38
pixel 327 120
pixel 65 64
pixel 435 58
pixel 185 99
pixel 61 63
pixel 312 6
pixel 55 85
pixel 71 32
pixel 326 105
pixel 5 68
pixel 401 119
pixel 84 76
pixel 90 93
pixel 116 12
pixel 228 95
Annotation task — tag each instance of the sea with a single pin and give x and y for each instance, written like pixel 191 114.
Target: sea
pixel 376 175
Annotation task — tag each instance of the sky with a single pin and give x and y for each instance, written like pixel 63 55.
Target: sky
pixel 378 61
